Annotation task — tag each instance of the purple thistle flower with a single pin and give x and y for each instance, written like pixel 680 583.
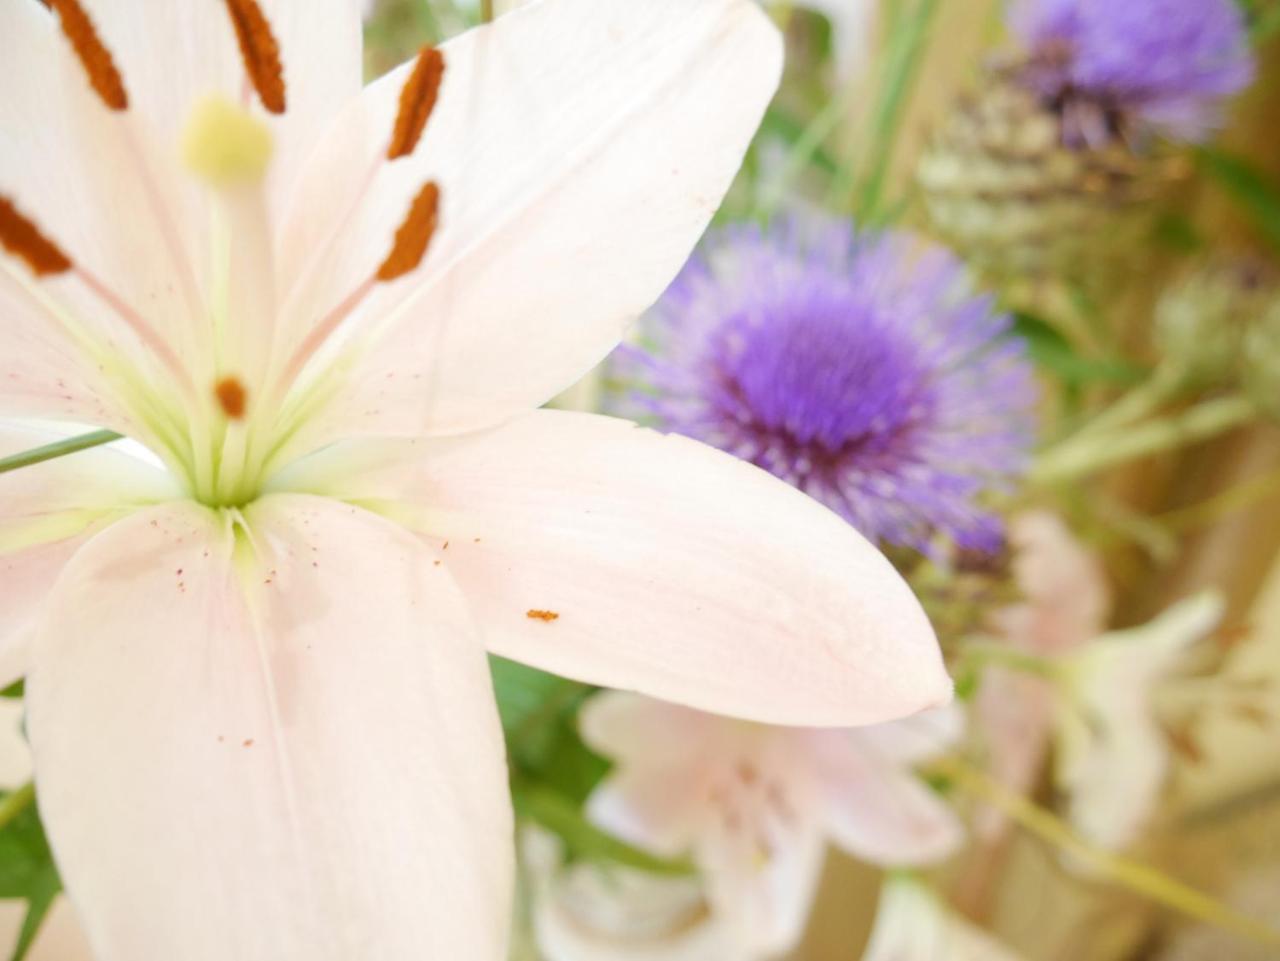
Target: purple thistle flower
pixel 1166 64
pixel 858 367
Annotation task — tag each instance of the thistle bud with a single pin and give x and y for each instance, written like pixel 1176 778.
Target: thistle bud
pixel 1055 164
pixel 1202 321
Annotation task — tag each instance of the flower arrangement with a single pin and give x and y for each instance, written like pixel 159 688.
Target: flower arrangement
pixel 680 480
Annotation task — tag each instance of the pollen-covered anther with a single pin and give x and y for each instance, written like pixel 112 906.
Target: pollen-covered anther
pixel 92 53
pixel 417 100
pixel 414 235
pixel 232 397
pixel 22 238
pixel 260 52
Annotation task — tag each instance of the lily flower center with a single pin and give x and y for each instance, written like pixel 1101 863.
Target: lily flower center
pixel 220 395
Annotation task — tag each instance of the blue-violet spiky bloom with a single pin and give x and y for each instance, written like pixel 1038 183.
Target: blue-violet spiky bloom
pixel 1166 65
pixel 859 367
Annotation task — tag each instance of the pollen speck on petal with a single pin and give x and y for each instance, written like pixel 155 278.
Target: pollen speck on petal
pixel 545 616
pixel 417 100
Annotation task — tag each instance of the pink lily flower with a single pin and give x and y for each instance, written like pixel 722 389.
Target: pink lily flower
pixel 257 690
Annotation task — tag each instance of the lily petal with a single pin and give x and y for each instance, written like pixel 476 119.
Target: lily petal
pixel 291 716
pixel 609 553
pixel 581 147
pixel 50 510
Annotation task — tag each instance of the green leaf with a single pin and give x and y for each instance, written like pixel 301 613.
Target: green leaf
pixel 1052 351
pixel 15 690
pixel 1255 194
pixel 27 870
pixel 522 692
pixel 583 840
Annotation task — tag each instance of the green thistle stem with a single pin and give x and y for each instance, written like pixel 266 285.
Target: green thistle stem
pixel 1164 384
pixel 62 448
pixel 1133 875
pixel 1084 455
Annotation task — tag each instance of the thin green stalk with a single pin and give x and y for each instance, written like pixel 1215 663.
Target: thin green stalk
pixel 15 803
pixel 62 448
pixel 486 11
pixel 1133 875
pixel 907 48
pixel 1080 457
pixel 806 147
pixel 984 653
pixel 1164 384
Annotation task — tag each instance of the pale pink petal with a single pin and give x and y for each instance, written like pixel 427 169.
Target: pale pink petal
pixel 43 372
pixel 50 509
pixel 655 808
pixel 270 741
pixel 1067 595
pixel 606 552
pixel 581 147
pixel 764 886
pixel 915 739
pixel 628 727
pixel 1014 712
pixel 877 809
pixel 60 344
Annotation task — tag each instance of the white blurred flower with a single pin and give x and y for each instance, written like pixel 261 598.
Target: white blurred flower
pixel 1112 755
pixel 757 805
pixel 594 912
pixel 913 924
pixel 1065 604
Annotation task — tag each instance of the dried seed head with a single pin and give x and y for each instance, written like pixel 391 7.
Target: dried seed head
pixel 93 54
pixel 22 238
pixel 414 235
pixel 417 100
pixel 260 52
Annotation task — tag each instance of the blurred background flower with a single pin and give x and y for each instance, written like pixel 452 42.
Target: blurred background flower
pixel 859 367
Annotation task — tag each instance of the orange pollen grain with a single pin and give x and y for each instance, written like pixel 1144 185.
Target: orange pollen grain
pixel 414 235
pixel 20 237
pixel 232 397
pixel 92 53
pixel 260 52
pixel 417 100
pixel 545 616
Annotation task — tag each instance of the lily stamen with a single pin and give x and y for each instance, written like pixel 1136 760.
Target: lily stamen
pixel 260 51
pixel 21 237
pixel 417 101
pixel 406 254
pixel 92 53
